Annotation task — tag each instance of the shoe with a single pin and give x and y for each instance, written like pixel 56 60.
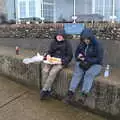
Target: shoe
pixel 43 95
pixel 85 94
pixel 48 93
pixel 83 97
pixel 69 97
pixel 70 93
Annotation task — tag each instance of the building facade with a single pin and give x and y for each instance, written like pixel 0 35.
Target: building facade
pixel 64 8
pixel 55 10
pixel 2 7
pixel 43 9
pixel 2 11
pixel 110 9
pixel 11 9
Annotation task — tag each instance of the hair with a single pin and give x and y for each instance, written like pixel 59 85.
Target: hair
pixel 82 38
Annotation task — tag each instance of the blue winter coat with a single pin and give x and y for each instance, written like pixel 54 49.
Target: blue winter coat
pixel 93 53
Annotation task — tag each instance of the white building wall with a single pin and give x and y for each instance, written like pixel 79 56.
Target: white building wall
pixel 93 6
pixel 38 8
pixel 10 9
pixel 64 8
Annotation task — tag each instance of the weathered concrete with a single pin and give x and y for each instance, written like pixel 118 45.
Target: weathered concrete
pixel 38 37
pixel 20 103
pixel 104 31
pixel 111 56
pixel 105 95
pixel 12 66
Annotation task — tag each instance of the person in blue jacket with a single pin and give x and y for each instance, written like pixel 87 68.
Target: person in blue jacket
pixel 89 56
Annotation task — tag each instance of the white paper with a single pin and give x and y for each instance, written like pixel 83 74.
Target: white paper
pixel 34 59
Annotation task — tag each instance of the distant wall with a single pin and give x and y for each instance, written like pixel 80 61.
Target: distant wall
pixel 103 31
pixel 39 37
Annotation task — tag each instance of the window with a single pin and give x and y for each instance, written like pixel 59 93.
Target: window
pixel 22 9
pixel 48 11
pixel 99 6
pixel 117 10
pixel 104 7
pixel 32 8
pixel 49 1
pixel 108 9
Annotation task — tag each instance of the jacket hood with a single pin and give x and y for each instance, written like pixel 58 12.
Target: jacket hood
pixel 87 33
pixel 59 32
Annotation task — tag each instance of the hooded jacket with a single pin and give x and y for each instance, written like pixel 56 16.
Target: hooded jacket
pixel 93 52
pixel 61 49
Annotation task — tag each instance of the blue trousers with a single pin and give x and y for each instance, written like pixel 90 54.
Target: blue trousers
pixel 88 77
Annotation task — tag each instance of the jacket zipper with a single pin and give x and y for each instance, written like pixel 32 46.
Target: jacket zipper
pixel 86 49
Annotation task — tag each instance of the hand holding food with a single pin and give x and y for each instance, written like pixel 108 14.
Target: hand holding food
pixel 54 60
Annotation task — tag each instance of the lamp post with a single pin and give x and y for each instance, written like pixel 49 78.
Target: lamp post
pixel 103 9
pixel 54 11
pixel 42 12
pixel 74 7
pixel 113 11
pixel 113 17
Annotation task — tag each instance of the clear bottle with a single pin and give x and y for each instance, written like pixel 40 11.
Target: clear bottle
pixel 107 71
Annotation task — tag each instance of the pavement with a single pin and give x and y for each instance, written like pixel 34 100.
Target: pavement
pixel 18 102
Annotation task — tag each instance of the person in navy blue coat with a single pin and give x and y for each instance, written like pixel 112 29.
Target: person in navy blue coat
pixel 89 57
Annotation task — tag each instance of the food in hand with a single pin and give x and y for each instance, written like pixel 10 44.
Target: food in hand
pixel 54 60
pixel 48 57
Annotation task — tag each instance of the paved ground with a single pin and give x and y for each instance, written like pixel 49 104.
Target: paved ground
pixel 19 103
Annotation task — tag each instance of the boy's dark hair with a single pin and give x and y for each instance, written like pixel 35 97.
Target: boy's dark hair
pixel 60 32
pixel 82 38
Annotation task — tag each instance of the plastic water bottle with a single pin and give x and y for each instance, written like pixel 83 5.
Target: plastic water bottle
pixel 107 71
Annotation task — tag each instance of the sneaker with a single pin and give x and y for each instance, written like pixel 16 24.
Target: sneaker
pixel 48 93
pixel 43 95
pixel 69 97
pixel 85 94
pixel 70 93
pixel 83 97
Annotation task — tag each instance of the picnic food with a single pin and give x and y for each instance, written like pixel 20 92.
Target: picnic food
pixel 54 60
